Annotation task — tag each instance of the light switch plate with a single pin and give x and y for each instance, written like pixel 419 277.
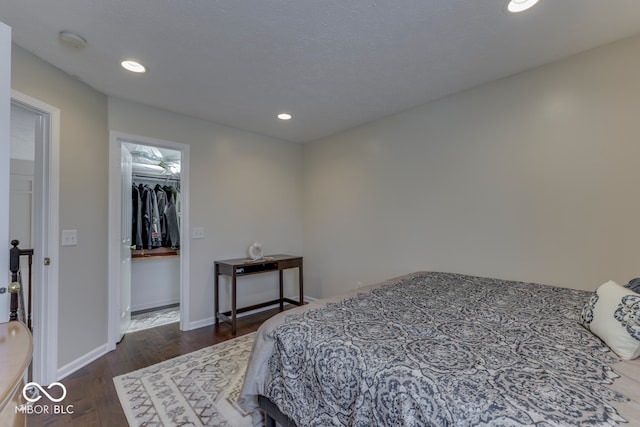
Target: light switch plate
pixel 197 232
pixel 69 237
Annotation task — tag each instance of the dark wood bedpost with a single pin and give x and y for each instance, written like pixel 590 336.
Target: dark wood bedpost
pixel 14 287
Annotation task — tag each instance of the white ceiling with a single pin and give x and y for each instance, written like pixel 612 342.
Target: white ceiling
pixel 333 64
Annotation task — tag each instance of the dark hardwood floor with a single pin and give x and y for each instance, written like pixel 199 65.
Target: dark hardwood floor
pixel 91 390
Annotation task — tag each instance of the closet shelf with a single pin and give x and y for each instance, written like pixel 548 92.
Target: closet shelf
pixel 137 254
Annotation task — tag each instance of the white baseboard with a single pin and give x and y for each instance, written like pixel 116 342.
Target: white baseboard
pixel 154 304
pixel 81 362
pixel 201 323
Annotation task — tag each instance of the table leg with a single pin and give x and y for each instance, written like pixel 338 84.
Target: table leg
pixel 216 301
pixel 233 304
pixel 281 292
pixel 300 284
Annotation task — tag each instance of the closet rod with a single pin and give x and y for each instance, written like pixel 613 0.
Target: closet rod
pixel 159 177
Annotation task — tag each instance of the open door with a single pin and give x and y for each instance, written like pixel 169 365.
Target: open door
pixel 125 240
pixel 5 154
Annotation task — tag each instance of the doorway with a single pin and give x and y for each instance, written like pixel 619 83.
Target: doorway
pixel 34 219
pixel 148 266
pixel 24 126
pixel 152 201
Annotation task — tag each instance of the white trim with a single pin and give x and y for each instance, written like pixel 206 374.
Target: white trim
pixel 5 154
pixel 200 323
pixel 81 362
pixel 113 326
pixel 153 304
pixel 113 323
pixel 45 291
pixel 185 235
pixel 5 165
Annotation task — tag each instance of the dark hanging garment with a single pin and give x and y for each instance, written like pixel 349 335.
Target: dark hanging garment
pixel 136 218
pixel 161 198
pixel 146 217
pixel 173 228
pixel 154 226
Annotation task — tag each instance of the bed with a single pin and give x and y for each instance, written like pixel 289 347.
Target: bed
pixel 432 348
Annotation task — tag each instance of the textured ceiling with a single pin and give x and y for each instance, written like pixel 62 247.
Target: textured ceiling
pixel 333 64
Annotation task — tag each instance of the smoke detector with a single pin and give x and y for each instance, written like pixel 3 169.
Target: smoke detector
pixel 72 39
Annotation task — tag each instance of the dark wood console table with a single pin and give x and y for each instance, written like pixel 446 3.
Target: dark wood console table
pixel 239 267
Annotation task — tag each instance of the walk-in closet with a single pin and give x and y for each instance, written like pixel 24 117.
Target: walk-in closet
pixel 155 236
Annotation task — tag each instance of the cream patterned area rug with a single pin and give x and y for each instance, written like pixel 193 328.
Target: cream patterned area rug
pixel 195 389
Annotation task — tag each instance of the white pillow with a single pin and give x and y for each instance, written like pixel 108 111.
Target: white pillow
pixel 613 314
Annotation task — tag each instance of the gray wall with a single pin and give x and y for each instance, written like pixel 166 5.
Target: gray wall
pixel 83 200
pixel 244 187
pixel 532 177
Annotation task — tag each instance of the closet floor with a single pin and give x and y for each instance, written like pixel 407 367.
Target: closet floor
pixel 151 319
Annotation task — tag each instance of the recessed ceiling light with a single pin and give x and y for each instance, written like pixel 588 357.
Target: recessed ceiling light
pixel 133 66
pixel 284 116
pixel 516 6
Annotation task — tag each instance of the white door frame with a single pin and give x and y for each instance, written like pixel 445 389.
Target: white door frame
pixel 46 226
pixel 5 154
pixel 115 188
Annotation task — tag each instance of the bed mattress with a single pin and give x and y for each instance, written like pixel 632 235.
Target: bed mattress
pixel 434 348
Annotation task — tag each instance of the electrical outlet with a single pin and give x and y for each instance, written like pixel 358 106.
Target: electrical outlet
pixel 197 233
pixel 69 237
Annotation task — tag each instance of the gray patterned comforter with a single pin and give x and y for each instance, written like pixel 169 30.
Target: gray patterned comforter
pixel 441 349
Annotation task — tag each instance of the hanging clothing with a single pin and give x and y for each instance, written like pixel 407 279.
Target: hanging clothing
pixel 171 213
pixel 136 218
pixel 161 199
pixel 178 209
pixel 145 213
pixel 155 216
